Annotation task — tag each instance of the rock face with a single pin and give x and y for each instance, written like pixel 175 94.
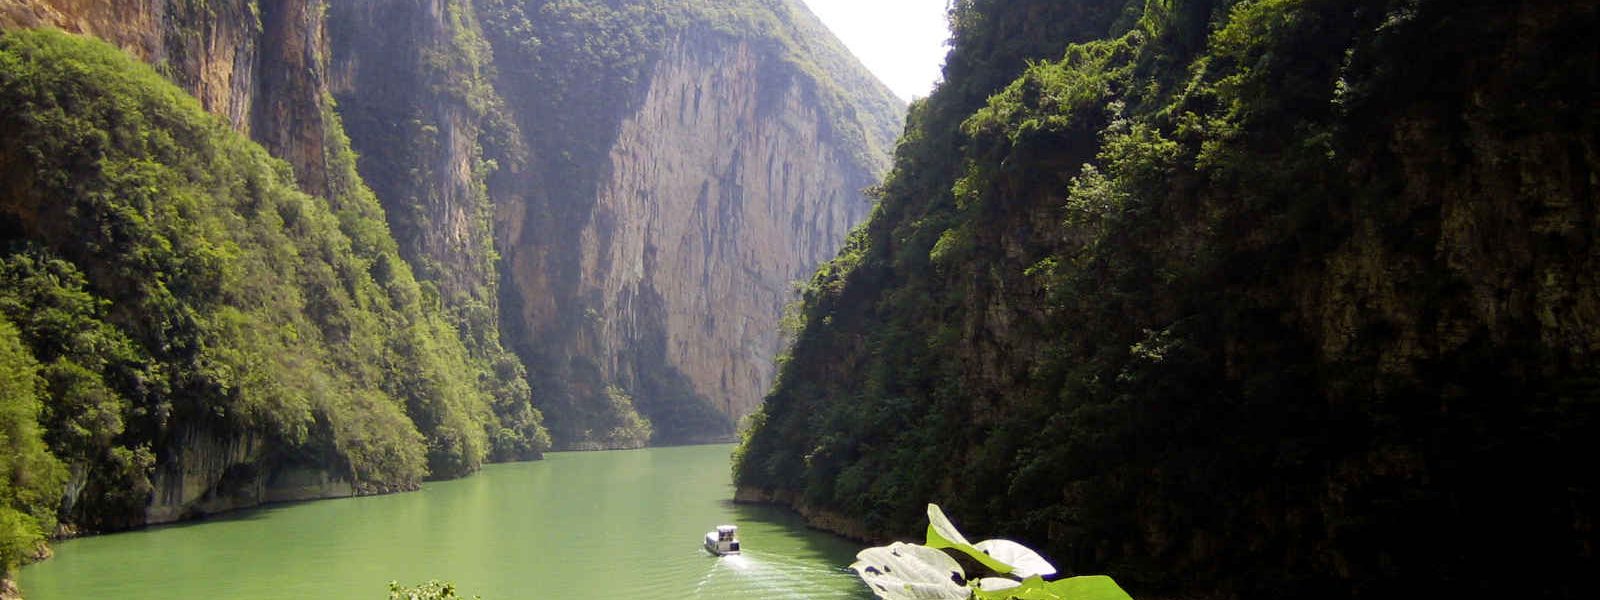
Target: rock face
pixel 721 190
pixel 649 251
pixel 254 64
pixel 724 190
pixel 218 473
pixel 417 130
pixel 412 90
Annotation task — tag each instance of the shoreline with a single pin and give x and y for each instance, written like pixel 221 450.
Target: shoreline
pixel 820 519
pixel 67 532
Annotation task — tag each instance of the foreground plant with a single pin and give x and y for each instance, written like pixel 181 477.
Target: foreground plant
pixel 432 590
pixel 902 571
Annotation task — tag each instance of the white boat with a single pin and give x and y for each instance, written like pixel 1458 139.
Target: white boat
pixel 722 541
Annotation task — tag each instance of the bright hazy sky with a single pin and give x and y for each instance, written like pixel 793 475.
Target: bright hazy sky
pixel 900 41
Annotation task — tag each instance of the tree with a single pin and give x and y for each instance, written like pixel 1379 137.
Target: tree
pixel 31 479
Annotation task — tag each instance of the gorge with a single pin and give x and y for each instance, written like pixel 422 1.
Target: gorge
pixel 1227 299
pixel 315 249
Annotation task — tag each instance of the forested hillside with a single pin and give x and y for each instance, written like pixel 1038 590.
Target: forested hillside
pixel 180 304
pixel 1225 298
pixel 410 84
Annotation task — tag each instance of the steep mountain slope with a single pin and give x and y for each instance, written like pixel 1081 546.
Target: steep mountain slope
pixel 263 68
pixel 211 336
pixel 266 68
pixel 411 84
pixel 1262 298
pixel 679 177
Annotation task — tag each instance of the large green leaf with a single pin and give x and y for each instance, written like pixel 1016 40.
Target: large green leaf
pixel 1023 560
pixel 902 571
pixel 1089 587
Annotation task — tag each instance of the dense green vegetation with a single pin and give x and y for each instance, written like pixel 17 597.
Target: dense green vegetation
pixel 30 478
pixel 571 71
pixel 86 361
pixel 1234 298
pixel 170 282
pixel 417 94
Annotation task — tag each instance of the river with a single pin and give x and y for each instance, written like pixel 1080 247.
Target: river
pixel 621 524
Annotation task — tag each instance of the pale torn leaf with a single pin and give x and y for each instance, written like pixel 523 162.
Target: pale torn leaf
pixel 903 571
pixel 1024 561
pixel 941 529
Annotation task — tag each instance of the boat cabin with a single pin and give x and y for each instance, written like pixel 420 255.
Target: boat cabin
pixel 723 541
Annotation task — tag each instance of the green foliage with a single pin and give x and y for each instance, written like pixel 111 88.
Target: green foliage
pixel 30 477
pixel 170 278
pixel 432 590
pixel 1222 327
pixel 98 383
pixel 415 99
pixel 631 430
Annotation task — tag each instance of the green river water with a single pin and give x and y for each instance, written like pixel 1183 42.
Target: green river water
pixel 623 524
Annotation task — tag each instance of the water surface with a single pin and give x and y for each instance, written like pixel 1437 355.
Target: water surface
pixel 623 524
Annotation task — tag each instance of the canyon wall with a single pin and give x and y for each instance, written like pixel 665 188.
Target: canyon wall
pixel 720 190
pixel 676 185
pixel 411 82
pixel 255 64
pixel 725 189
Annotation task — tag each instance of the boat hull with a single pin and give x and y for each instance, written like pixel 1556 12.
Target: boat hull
pixel 720 547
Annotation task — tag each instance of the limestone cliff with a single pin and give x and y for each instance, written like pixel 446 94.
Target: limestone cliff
pixel 653 242
pixel 724 189
pixel 255 64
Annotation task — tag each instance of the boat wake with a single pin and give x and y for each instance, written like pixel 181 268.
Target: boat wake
pixel 762 575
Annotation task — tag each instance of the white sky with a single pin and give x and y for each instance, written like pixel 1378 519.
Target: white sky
pixel 900 41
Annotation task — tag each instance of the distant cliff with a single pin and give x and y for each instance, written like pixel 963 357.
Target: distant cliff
pixel 678 180
pixel 1261 299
